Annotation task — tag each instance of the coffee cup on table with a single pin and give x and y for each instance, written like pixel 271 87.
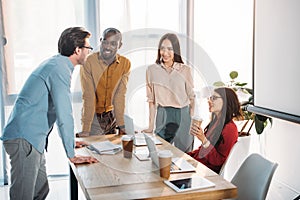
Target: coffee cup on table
pixel 165 161
pixel 127 144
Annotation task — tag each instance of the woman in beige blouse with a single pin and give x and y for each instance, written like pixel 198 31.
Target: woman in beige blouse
pixel 170 94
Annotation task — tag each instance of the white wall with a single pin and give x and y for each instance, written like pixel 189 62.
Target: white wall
pixel 282 146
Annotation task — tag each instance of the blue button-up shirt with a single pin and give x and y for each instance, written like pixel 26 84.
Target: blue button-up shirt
pixel 44 99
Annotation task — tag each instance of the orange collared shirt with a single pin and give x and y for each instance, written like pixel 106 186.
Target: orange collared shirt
pixel 103 88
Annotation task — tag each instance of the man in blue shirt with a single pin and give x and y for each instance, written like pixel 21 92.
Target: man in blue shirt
pixel 44 99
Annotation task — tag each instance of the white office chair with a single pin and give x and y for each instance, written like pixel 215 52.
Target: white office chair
pixel 225 165
pixel 236 157
pixel 253 178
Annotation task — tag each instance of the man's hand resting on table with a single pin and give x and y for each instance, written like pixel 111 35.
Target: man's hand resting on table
pixel 79 144
pixel 83 160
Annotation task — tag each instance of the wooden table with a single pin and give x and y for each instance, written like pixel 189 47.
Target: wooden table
pixel 115 177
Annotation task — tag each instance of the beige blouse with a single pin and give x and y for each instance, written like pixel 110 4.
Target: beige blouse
pixel 174 89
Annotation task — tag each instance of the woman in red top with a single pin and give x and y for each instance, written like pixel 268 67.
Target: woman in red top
pixel 221 133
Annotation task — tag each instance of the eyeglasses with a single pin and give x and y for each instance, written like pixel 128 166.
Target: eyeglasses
pixel 90 48
pixel 213 98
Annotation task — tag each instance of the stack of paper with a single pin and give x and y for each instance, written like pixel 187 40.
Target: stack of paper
pixel 139 139
pixel 105 147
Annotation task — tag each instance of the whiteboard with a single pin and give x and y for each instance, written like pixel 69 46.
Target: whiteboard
pixel 276 56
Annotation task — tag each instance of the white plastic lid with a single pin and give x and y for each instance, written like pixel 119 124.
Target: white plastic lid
pixel 127 138
pixel 165 154
pixel 197 117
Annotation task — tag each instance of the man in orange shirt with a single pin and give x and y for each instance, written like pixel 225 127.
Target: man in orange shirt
pixel 104 79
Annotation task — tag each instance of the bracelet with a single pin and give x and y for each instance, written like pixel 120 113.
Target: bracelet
pixel 206 144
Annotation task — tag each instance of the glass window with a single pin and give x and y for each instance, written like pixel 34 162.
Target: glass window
pixel 32 29
pixel 224 30
pixel 128 15
pixel 142 23
pixel 223 34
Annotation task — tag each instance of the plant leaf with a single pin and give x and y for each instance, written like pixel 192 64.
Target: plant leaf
pixel 250 99
pixel 219 84
pixel 249 90
pixel 261 118
pixel 233 74
pixel 271 120
pixel 241 84
pixel 259 125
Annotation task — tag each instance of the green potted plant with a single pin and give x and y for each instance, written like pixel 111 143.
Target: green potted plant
pixel 241 90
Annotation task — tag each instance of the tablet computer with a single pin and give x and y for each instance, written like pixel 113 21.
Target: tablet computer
pixel 187 184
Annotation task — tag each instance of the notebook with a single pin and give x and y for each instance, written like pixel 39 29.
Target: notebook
pixel 178 164
pixel 105 147
pixel 139 138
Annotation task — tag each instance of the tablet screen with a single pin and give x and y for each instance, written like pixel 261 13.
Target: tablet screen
pixel 187 184
pixel 183 183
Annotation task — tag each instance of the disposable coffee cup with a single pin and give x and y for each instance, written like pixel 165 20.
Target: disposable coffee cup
pixel 196 121
pixel 165 161
pixel 127 144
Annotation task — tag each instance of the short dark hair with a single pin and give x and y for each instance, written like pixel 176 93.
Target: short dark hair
pixel 176 47
pixel 71 38
pixel 114 31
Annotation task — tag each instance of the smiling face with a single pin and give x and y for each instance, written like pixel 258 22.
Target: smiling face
pixel 167 52
pixel 215 103
pixel 109 46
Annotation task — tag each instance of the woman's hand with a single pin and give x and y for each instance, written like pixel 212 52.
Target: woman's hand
pixel 198 132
